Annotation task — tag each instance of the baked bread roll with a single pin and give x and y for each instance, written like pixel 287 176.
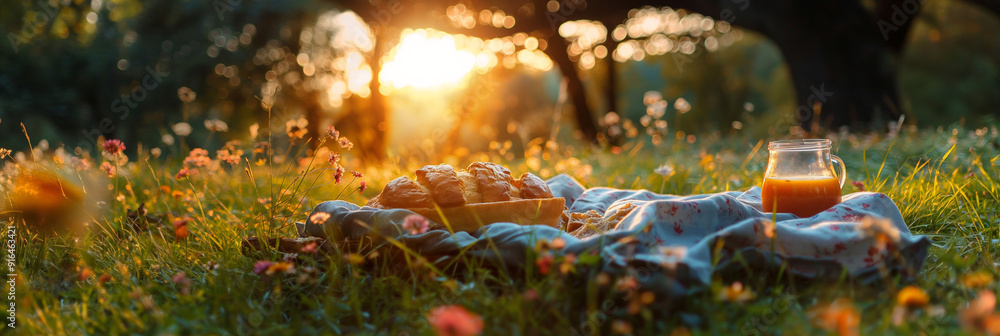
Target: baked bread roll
pixel 483 193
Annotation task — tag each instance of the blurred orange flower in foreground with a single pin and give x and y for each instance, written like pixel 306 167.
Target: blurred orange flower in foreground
pixel 977 279
pixel 912 296
pixel 980 316
pixel 736 293
pixel 45 200
pixel 453 320
pixel 840 315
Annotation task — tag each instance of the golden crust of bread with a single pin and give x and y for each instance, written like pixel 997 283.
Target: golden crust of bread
pixel 405 194
pixel 483 193
pixel 533 187
pixel 494 181
pixel 443 183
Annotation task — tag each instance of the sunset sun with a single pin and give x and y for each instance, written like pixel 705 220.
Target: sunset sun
pixel 425 60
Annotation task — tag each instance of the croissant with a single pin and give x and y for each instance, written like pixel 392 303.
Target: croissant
pixel 483 193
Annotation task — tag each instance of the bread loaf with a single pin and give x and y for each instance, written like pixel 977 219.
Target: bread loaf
pixel 483 193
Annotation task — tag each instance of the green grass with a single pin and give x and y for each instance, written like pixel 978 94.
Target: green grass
pixel 927 173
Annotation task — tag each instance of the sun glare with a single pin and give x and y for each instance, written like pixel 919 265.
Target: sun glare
pixel 423 60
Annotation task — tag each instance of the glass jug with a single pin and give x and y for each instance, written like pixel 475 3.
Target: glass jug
pixel 800 177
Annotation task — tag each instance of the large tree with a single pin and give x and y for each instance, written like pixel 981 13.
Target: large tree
pixel 841 55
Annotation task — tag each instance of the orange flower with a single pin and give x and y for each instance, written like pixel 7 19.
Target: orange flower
pixel 281 266
pixel 840 315
pixel 453 320
pixel 85 274
pixel 544 263
pixel 105 278
pixel 736 293
pixel 977 279
pixel 979 315
pixel 180 229
pixel 46 201
pixel 567 265
pixel 912 296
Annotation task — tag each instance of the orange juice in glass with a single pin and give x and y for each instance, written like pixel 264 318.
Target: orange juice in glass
pixel 800 177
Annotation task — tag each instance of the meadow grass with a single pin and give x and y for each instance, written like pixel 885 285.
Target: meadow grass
pixel 115 278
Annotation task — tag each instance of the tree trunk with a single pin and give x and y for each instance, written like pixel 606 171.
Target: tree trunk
pixel 839 65
pixel 574 85
pixel 374 149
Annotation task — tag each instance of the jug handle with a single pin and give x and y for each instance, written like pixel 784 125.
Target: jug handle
pixel 843 170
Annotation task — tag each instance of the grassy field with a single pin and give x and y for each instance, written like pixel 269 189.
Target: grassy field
pixel 186 274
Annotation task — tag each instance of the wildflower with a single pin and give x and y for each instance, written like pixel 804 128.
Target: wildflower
pixel 454 320
pixel 362 187
pixel 357 174
pixel 181 129
pixel 177 194
pixel 970 175
pixel 345 143
pixel 319 218
pixel 557 243
pixel 230 156
pixel 261 266
pixel 156 151
pixel 108 169
pixel 167 139
pixel 186 95
pixel 334 159
pixel 197 158
pixel 181 279
pixel 979 315
pixel 281 266
pixel 736 293
pixel 296 129
pixel 113 146
pixel 415 224
pixel 332 133
pixel 977 279
pixel 841 316
pixel 912 296
pixel 666 170
pixel 858 184
pixel 309 248
pixel 85 274
pixel 707 161
pixel 544 263
pixel 338 174
pixel 211 266
pixel 253 130
pixel 4 153
pixel 184 173
pixel 567 265
pixel 180 229
pixel 216 125
pixel 105 278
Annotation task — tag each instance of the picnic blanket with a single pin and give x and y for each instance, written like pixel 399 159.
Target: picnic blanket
pixel 670 240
